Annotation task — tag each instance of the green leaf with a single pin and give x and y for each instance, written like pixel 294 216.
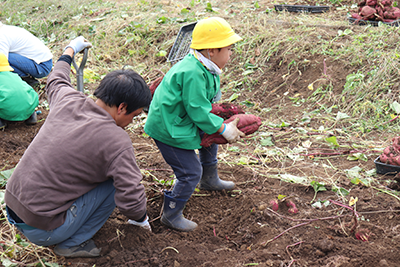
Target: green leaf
pixel 341 116
pixel 247 103
pixel 209 7
pixel 332 140
pixel 320 204
pixel 8 263
pixel 358 156
pixel 354 172
pixel 161 53
pixel 233 97
pixel 5 175
pixel 293 179
pixel 2 193
pixel 256 5
pixel 267 141
pixel 162 20
pixel 318 186
pixel 184 11
pixel 340 190
pixel 396 107
pixel 280 197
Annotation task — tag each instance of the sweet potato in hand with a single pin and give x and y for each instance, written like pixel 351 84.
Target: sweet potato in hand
pixel 248 124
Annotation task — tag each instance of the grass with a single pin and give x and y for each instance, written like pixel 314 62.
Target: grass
pixel 140 33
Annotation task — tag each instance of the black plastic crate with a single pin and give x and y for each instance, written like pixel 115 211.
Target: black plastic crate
pixel 182 43
pixel 361 22
pixel 383 168
pixel 302 8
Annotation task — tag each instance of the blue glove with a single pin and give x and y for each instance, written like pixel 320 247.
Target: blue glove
pixel 78 44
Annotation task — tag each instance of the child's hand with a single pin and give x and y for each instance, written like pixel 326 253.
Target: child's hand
pixel 232 133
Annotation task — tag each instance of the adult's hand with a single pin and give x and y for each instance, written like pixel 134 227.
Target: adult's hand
pixel 145 224
pixel 78 44
pixel 231 133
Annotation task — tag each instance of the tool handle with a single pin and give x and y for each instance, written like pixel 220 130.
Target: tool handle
pixel 79 70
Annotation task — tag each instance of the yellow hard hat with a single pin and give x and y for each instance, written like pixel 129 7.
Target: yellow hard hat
pixel 213 32
pixel 4 65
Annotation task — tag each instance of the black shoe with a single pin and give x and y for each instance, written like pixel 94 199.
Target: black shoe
pixel 30 80
pixel 32 119
pixel 87 249
pixel 3 124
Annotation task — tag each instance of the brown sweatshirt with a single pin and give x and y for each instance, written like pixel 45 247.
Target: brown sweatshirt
pixel 78 147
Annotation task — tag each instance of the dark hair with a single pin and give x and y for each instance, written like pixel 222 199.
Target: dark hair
pixel 124 86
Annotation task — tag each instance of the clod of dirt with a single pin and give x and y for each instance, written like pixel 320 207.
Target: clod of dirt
pixel 325 245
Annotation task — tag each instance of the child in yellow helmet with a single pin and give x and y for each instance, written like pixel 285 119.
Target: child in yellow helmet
pixel 18 100
pixel 180 113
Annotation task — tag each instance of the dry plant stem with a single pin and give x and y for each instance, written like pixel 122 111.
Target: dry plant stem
pixel 345 152
pixel 355 217
pixel 391 120
pixel 308 220
pixel 287 230
pixel 385 191
pixel 291 262
pixel 292 245
pixel 345 206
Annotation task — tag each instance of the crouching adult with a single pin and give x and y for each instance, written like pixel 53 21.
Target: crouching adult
pixel 81 164
pixel 28 55
pixel 18 100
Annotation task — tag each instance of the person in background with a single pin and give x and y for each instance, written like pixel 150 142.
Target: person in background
pixel 81 164
pixel 18 100
pixel 28 56
pixel 180 113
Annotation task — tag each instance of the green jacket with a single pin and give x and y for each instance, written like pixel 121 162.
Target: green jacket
pixel 17 99
pixel 181 105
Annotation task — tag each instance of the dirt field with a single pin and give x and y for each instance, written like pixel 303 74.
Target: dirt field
pixel 239 228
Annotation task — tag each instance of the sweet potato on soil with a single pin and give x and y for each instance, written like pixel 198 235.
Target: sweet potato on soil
pixel 292 207
pixel 226 110
pixel 248 124
pixel 363 235
pixel 275 204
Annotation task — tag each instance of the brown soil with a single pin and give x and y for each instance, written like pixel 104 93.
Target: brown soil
pixel 238 228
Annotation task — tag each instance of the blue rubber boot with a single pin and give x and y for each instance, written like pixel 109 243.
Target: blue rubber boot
pixel 211 181
pixel 172 214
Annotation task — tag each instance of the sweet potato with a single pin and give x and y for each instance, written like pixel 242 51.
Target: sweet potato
pixel 248 124
pixel 275 204
pixel 292 207
pixel 392 13
pixel 226 110
pixel 371 3
pixel 363 235
pixel 386 2
pixel 356 16
pixel 153 85
pixel 367 12
pixel 391 154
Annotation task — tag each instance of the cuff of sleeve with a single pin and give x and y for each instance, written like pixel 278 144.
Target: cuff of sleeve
pixel 66 58
pixel 143 218
pixel 223 130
